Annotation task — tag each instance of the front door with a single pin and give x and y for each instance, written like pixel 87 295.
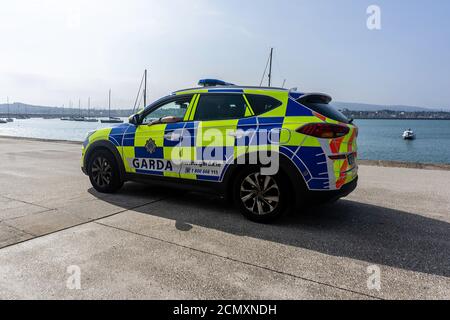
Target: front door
pixel 156 148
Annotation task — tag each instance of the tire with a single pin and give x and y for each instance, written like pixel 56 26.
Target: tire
pixel 259 198
pixel 104 172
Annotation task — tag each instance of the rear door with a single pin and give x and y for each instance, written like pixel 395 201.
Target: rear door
pixel 216 117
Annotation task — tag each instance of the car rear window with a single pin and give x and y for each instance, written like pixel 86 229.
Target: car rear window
pixel 326 109
pixel 262 104
pixel 220 107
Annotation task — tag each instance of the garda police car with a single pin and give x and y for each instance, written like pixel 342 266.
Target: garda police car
pixel 268 149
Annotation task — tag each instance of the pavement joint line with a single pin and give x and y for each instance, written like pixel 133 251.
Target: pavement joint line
pixel 242 262
pixel 75 225
pixel 15 228
pixel 26 215
pixel 26 202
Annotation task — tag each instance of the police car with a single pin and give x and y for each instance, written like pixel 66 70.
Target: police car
pixel 269 149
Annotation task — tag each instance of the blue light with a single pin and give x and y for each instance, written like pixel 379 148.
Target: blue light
pixel 213 83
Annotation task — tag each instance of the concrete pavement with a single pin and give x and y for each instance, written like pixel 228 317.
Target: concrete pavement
pixel 148 242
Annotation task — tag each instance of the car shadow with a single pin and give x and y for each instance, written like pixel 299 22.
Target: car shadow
pixel 347 228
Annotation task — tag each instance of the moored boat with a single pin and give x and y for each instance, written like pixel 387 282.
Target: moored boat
pixel 409 135
pixel 111 119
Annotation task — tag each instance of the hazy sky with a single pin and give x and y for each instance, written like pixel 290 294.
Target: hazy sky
pixel 54 51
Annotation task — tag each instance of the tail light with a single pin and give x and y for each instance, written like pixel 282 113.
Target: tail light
pixel 324 130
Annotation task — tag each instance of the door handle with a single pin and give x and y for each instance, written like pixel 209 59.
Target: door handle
pixel 172 136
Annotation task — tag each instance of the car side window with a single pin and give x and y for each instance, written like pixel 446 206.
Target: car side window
pixel 175 108
pixel 220 107
pixel 262 104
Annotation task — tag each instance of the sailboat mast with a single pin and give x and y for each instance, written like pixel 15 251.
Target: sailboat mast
pixel 145 88
pixel 89 106
pixel 79 106
pixel 270 66
pixel 109 103
pixel 7 99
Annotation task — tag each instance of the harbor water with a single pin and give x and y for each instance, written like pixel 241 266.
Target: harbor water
pixel 377 140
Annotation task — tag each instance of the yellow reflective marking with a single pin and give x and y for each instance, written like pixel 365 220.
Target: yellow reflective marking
pixel 128 152
pixel 192 105
pixel 248 110
pixel 144 132
pixel 191 91
pixel 194 108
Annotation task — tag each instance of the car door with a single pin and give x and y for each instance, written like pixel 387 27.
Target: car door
pixel 156 149
pixel 215 117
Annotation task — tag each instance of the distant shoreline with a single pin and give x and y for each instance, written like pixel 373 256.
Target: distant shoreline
pixel 445 119
pixel 378 163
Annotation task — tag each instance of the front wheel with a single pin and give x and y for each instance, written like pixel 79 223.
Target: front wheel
pixel 104 172
pixel 260 198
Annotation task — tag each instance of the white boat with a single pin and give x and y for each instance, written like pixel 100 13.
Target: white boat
pixel 409 135
pixel 3 121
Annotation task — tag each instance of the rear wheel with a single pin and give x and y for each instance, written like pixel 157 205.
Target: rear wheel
pixel 260 198
pixel 104 172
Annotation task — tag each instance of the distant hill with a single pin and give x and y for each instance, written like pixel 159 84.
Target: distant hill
pixel 374 107
pixel 21 108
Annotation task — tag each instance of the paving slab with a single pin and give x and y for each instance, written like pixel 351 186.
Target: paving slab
pixel 122 265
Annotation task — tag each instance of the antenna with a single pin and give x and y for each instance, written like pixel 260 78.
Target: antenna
pixel 284 82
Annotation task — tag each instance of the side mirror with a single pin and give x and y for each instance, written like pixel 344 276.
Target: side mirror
pixel 134 119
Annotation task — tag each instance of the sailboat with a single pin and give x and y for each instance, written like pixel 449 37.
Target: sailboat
pixel 111 119
pixel 80 117
pixel 64 118
pixel 9 119
pixel 88 119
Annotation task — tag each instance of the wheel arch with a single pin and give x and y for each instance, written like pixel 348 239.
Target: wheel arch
pixel 288 170
pixel 108 146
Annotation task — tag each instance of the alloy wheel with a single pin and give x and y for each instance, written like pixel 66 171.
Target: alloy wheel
pixel 260 194
pixel 101 172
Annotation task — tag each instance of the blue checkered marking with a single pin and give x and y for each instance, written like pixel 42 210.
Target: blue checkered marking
pixel 155 173
pixel 255 124
pixel 295 109
pixel 141 152
pixel 319 184
pixel 123 134
pixel 186 129
pixel 311 161
pixel 208 178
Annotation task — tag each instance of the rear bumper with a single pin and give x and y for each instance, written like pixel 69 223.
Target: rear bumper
pixel 317 197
